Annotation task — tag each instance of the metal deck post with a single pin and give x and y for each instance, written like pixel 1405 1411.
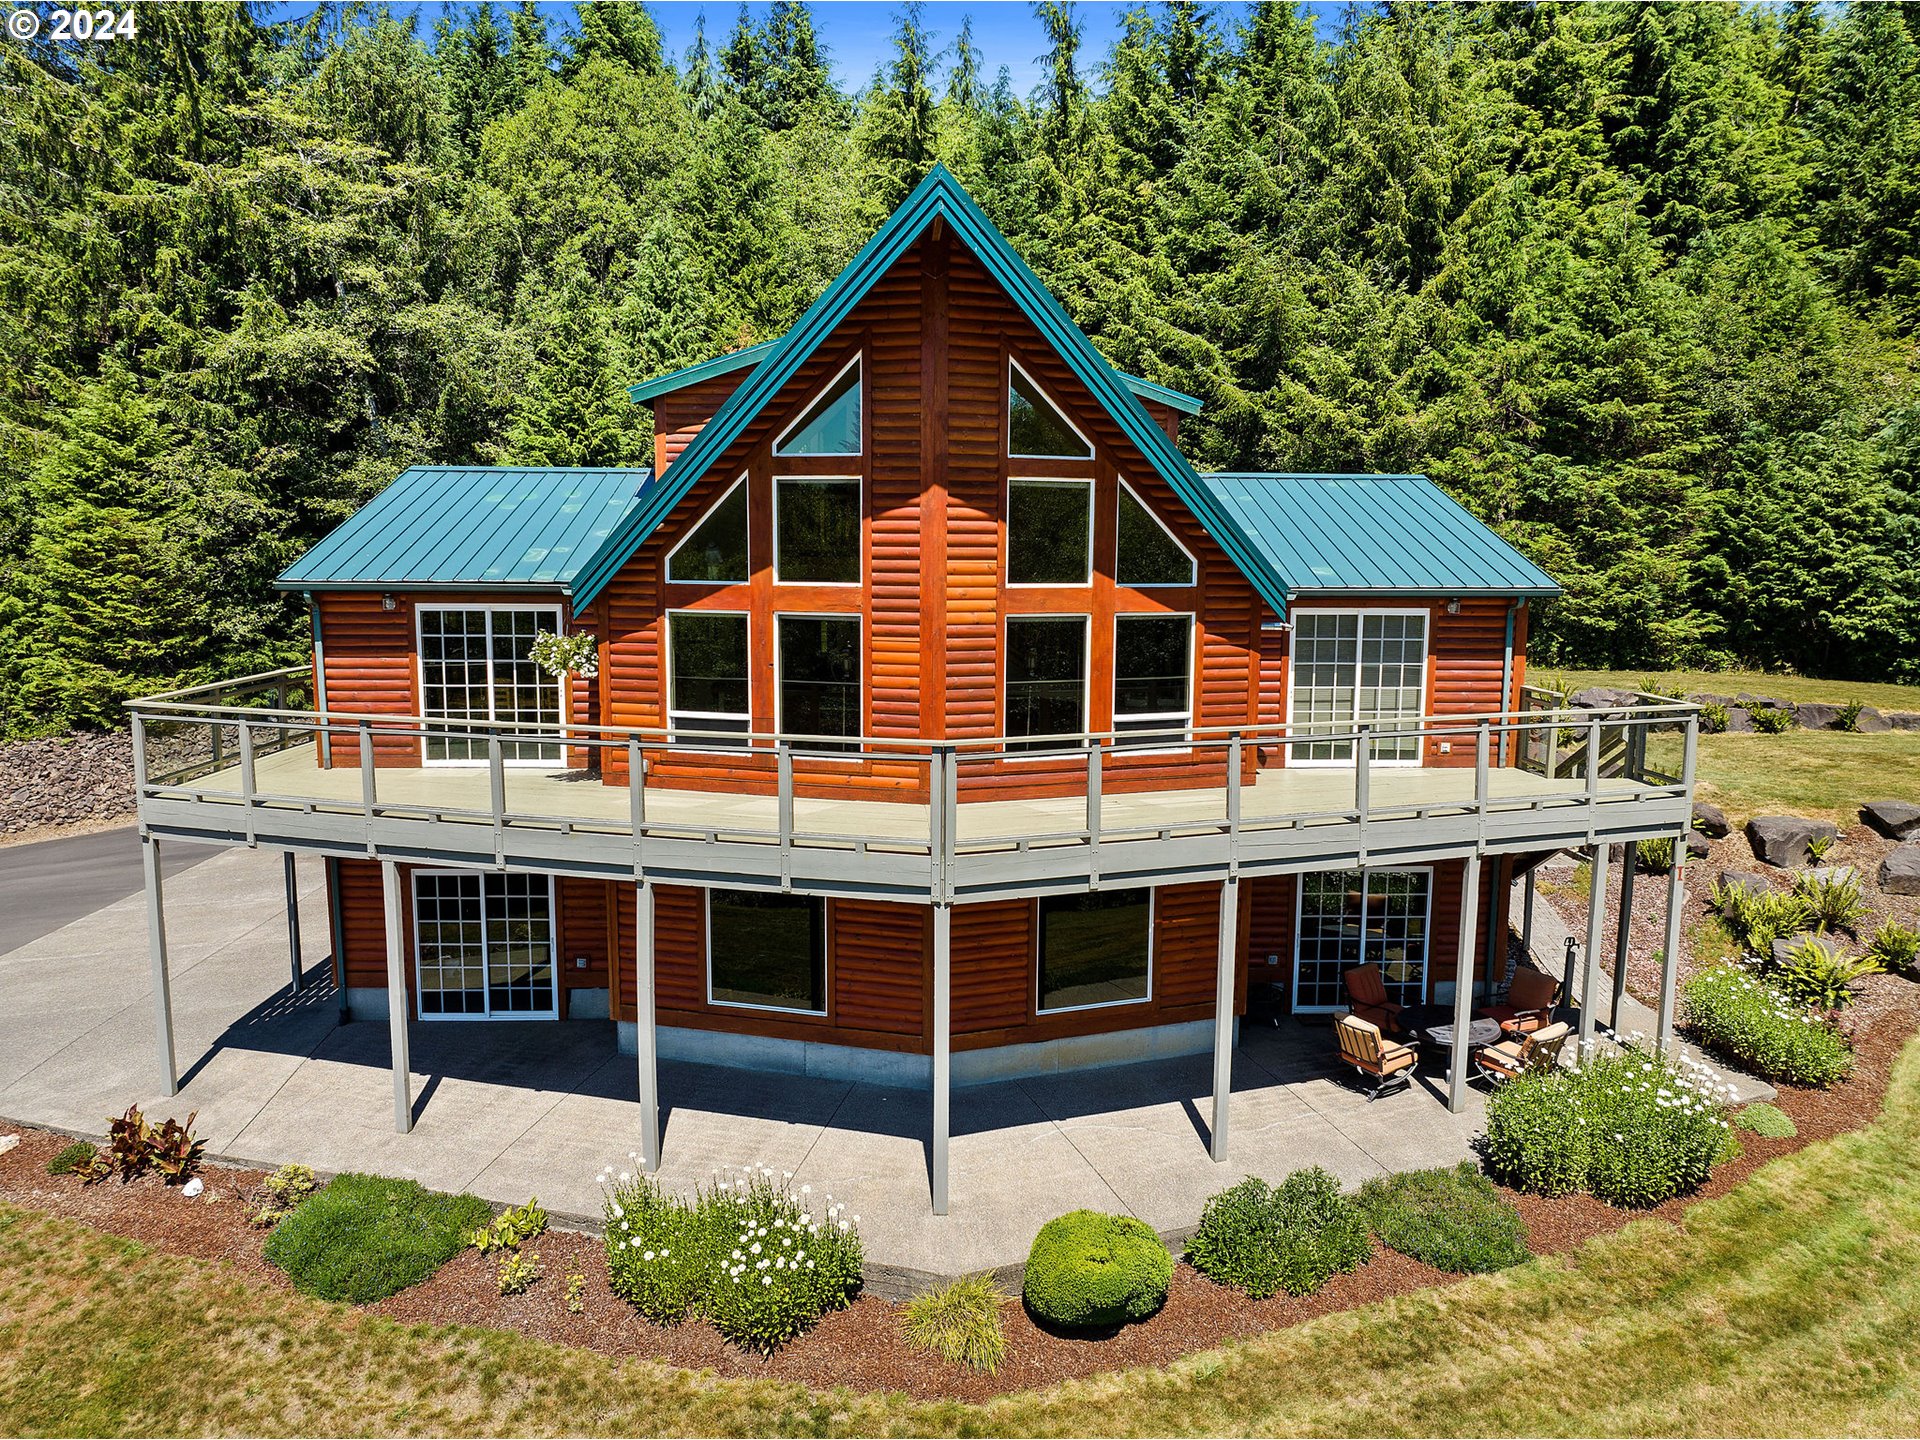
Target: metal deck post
pixel 1596 918
pixel 157 954
pixel 1463 968
pixel 942 1049
pixel 397 998
pixel 645 1022
pixel 1629 867
pixel 293 918
pixel 1670 957
pixel 1223 1013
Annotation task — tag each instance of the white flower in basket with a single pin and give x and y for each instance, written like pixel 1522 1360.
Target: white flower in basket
pixel 562 655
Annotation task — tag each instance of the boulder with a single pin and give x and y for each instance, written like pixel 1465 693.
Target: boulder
pixel 1739 720
pixel 1831 874
pixel 1603 697
pixel 1710 820
pixel 1900 871
pixel 1871 722
pixel 1697 847
pixel 1818 715
pixel 1745 881
pixel 1783 949
pixel 1903 719
pixel 1783 839
pixel 1760 702
pixel 1895 819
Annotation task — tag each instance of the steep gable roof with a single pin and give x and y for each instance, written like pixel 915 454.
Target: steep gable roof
pixel 938 197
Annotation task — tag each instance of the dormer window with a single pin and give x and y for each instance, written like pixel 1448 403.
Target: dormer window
pixel 1035 427
pixel 832 425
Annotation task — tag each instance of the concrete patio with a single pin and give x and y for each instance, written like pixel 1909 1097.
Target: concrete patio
pixel 512 1110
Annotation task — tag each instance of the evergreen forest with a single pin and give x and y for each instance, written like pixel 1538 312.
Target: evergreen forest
pixel 1638 282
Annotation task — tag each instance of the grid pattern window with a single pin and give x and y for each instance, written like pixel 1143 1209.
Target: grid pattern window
pixel 1347 919
pixel 707 688
pixel 816 528
pixel 475 665
pixel 832 425
pixel 767 950
pixel 1145 553
pixel 715 553
pixel 1152 677
pixel 1049 532
pixel 1357 668
pixel 1096 948
pixel 485 945
pixel 1046 685
pixel 820 677
pixel 1035 426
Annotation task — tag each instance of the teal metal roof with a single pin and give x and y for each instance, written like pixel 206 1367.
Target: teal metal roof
pixel 937 197
pixel 472 527
pixel 1372 535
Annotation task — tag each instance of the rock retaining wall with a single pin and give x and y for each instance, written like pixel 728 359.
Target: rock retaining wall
pixel 65 780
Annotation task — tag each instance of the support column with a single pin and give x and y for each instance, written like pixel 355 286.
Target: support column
pixel 1526 915
pixel 293 920
pixel 1223 1013
pixel 397 998
pixel 645 1023
pixel 942 1049
pixel 1463 968
pixel 157 955
pixel 1670 957
pixel 1629 867
pixel 1596 917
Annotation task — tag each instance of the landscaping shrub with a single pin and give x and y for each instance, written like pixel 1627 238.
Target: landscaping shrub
pixel 134 1147
pixel 365 1237
pixel 1630 1129
pixel 518 1270
pixel 659 1250
pixel 961 1322
pixel 1815 976
pixel 1756 921
pixel 1740 1016
pixel 1713 718
pixel 1454 1220
pixel 1292 1237
pixel 1850 713
pixel 1766 1120
pixel 1770 720
pixel 1656 855
pixel 1832 898
pixel 285 1189
pixel 510 1229
pixel 75 1157
pixel 1819 845
pixel 1895 946
pixel 1089 1271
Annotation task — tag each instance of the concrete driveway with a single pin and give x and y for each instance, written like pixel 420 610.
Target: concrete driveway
pixel 51 883
pixel 518 1109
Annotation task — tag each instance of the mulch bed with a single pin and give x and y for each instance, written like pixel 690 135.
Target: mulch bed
pixel 862 1347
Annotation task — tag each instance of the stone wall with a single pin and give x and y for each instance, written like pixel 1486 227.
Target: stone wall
pixel 65 780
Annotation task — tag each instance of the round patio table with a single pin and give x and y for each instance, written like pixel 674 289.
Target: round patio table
pixel 1479 1032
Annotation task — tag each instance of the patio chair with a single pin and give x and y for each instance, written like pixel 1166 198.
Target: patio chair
pixel 1521 1054
pixel 1529 1003
pixel 1367 993
pixel 1387 1062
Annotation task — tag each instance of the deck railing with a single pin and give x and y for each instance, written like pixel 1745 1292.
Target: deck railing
pixel 1091 794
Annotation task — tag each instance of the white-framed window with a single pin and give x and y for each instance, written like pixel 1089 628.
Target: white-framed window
pixel 1093 948
pixel 708 694
pixel 767 951
pixel 484 945
pixel 1345 918
pixel 1353 667
pixel 1045 658
pixel 816 530
pixel 1049 531
pixel 714 552
pixel 1037 429
pixel 475 665
pixel 1152 678
pixel 1147 555
pixel 832 424
pixel 817 668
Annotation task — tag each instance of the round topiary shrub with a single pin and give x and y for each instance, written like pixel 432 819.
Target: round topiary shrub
pixel 1089 1271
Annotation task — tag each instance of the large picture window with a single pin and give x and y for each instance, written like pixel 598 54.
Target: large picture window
pixel 1146 554
pixel 816 531
pixel 1349 918
pixel 767 950
pixel 1049 532
pixel 484 945
pixel 831 425
pixel 1152 677
pixel 1357 667
pixel 820 677
pixel 1095 948
pixel 707 688
pixel 475 665
pixel 1046 686
pixel 1035 426
pixel 715 551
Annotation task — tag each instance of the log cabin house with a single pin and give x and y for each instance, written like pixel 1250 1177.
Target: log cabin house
pixel 939 721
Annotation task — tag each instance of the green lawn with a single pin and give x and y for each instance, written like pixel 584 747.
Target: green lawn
pixel 1822 774
pixel 1792 688
pixel 1789 1306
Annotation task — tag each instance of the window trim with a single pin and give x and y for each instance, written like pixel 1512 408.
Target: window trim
pixel 1367 872
pixel 694 529
pixel 1193 563
pixel 1293 690
pixel 1153 947
pixel 419 979
pixel 1085 482
pixel 703 746
pixel 560 685
pixel 776 450
pixel 1006 401
pixel 858 739
pixel 1185 718
pixel 860 515
pixel 1086 685
pixel 826 961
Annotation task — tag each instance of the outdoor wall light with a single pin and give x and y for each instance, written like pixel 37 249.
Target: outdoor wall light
pixel 1453 607
pixel 386 602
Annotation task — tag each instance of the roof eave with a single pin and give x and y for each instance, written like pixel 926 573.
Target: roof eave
pixel 442 587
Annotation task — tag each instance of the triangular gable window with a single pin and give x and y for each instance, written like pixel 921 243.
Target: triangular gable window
pixel 1146 552
pixel 1035 426
pixel 832 426
pixel 716 552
